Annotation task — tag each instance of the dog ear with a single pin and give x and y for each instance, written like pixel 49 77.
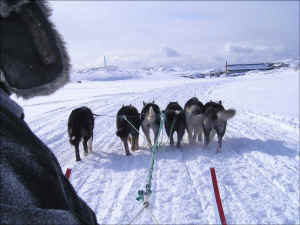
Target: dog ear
pixel 220 102
pixel 144 103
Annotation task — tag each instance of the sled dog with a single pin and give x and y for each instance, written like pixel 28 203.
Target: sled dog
pixel 175 122
pixel 215 121
pixel 150 119
pixel 193 111
pixel 80 126
pixel 124 128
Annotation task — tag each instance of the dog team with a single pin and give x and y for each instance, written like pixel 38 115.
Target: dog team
pixel 201 121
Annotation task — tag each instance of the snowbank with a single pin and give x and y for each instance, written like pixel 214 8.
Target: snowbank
pixel 275 92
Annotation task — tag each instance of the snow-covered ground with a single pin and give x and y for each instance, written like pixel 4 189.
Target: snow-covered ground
pixel 257 170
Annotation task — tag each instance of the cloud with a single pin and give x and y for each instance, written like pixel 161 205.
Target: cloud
pixel 198 32
pixel 170 52
pixel 253 51
pixel 135 58
pixel 231 48
pixel 249 47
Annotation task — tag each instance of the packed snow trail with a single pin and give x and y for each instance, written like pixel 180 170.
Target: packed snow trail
pixel 257 170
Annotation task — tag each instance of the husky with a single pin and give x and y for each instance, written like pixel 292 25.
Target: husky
pixel 215 121
pixel 150 119
pixel 125 130
pixel 193 111
pixel 80 126
pixel 175 122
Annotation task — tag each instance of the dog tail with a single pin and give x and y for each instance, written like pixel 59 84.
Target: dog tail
pixel 226 114
pixel 151 115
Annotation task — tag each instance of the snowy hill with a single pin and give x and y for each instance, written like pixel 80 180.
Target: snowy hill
pixel 257 170
pixel 111 73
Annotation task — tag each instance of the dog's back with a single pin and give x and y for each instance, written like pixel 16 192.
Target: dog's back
pixel 215 110
pixel 80 124
pixel 175 122
pixel 194 106
pixel 174 112
pixel 132 115
pixel 193 111
pixel 150 114
pixel 150 119
pixel 128 124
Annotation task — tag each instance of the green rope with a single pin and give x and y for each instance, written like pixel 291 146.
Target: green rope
pixel 136 216
pixel 142 193
pixel 125 118
pixel 162 138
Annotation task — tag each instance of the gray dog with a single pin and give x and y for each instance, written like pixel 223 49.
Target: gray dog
pixel 150 119
pixel 215 121
pixel 193 111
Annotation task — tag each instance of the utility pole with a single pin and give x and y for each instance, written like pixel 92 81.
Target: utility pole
pixel 226 68
pixel 105 62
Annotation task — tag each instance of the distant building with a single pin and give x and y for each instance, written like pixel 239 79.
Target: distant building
pixel 242 68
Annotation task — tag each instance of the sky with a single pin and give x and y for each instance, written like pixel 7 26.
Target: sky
pixel 151 33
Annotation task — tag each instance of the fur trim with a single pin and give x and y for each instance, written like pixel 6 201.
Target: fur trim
pixel 46 56
pixel 6 7
pixel 226 114
pixel 10 105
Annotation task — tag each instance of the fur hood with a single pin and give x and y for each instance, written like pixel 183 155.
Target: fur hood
pixel 33 57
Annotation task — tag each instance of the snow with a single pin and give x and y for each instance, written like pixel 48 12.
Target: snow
pixel 104 74
pixel 265 92
pixel 257 170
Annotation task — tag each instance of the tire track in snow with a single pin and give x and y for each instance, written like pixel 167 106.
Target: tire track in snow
pixel 198 160
pixel 119 203
pixel 275 169
pixel 174 191
pixel 200 183
pixel 254 159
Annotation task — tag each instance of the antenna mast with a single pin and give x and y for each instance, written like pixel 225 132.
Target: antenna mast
pixel 105 62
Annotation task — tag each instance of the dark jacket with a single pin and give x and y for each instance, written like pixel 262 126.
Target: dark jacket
pixel 33 188
pixel 33 62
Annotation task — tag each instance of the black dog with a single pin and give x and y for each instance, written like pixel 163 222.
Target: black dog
pixel 125 130
pixel 175 122
pixel 80 126
pixel 215 121
pixel 193 111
